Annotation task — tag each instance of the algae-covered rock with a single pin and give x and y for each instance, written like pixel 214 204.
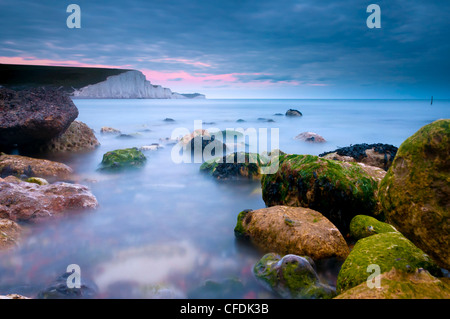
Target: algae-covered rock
pixel 123 158
pixel 397 284
pixel 230 288
pixel 292 230
pixel 235 166
pixel 338 190
pixel 415 192
pixel 386 250
pixel 363 226
pixel 291 276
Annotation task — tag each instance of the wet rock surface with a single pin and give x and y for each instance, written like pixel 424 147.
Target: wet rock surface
pixel 379 155
pixel 33 115
pixel 60 290
pixel 291 276
pixel 30 202
pixel 292 230
pixel 10 234
pixel 415 193
pixel 121 159
pixel 32 167
pixel 310 137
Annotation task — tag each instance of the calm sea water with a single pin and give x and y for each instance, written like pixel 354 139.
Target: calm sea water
pixel 163 230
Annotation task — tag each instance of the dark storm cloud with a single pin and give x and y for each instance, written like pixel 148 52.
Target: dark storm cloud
pixel 276 41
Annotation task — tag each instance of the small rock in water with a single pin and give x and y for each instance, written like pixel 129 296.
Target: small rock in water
pixel 168 119
pixel 60 290
pixel 292 112
pixel 109 130
pixel 152 147
pixel 310 137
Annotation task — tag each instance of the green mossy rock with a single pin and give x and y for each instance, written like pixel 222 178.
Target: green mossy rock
pixel 123 158
pixel 363 226
pixel 396 284
pixel 386 250
pixel 338 190
pixel 291 277
pixel 415 193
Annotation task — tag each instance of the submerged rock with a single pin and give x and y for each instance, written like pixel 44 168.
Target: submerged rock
pixel 397 284
pixel 32 167
pixel 122 158
pixel 378 155
pixel 34 115
pixel 385 250
pixel 310 137
pixel 153 147
pixel 10 233
pixel 22 201
pixel 363 226
pixel 292 112
pixel 292 230
pixel 60 290
pixel 291 277
pixel 237 165
pixel 231 288
pixel 78 137
pixel 109 130
pixel 338 190
pixel 415 193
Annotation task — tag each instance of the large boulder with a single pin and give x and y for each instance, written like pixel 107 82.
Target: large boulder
pixel 78 137
pixel 378 155
pixel 23 201
pixel 291 276
pixel 123 158
pixel 415 193
pixel 32 167
pixel 10 233
pixel 338 190
pixel 386 250
pixel 292 230
pixel 34 115
pixel 397 284
pixel 363 226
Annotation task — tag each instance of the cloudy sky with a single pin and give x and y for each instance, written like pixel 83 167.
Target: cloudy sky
pixel 244 48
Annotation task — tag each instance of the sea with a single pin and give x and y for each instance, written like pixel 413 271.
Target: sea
pixel 166 230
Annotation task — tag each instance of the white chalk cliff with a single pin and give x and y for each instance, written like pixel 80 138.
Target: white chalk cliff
pixel 129 85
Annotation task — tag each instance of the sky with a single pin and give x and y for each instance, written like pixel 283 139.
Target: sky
pixel 244 48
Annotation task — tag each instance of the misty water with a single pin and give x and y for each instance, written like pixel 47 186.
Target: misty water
pixel 164 229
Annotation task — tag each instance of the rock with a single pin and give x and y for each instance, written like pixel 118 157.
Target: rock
pixel 10 233
pixel 278 114
pixel 310 137
pixel 292 230
pixel 261 119
pixel 238 165
pixel 78 137
pixel 363 226
pixel 292 112
pixel 396 284
pixel 33 167
pixel 34 115
pixel 22 201
pixel 153 147
pixel 225 289
pixel 240 121
pixel 109 130
pixel 338 190
pixel 14 296
pixel 37 180
pixel 60 290
pixel 386 250
pixel 123 158
pixel 199 140
pixel 168 120
pixel 378 155
pixel 291 277
pixel 415 193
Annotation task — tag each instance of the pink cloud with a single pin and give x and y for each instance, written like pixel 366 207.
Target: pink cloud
pixel 34 61
pixel 184 61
